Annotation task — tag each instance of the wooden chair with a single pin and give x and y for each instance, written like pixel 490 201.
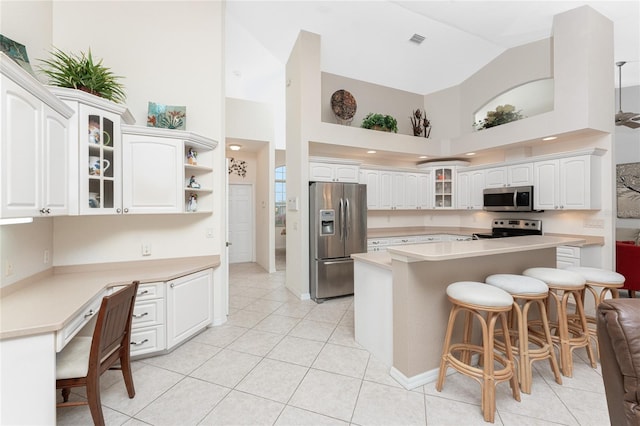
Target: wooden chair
pixel 84 359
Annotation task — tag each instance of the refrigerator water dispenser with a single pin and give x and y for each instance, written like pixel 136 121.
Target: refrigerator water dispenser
pixel 327 222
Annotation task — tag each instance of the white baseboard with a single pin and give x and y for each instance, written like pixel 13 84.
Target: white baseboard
pixel 422 379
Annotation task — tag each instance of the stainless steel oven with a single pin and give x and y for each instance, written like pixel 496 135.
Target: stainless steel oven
pixel 501 228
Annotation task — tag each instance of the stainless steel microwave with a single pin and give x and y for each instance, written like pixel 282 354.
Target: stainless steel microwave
pixel 508 199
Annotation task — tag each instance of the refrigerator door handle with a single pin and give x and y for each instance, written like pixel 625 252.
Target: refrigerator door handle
pixel 347 223
pixel 341 219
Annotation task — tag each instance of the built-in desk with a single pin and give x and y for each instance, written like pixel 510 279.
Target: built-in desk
pixel 38 317
pixel 408 284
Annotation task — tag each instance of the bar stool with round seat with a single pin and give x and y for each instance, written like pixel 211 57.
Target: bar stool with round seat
pixel 478 300
pixel 562 285
pixel 527 291
pixel 609 281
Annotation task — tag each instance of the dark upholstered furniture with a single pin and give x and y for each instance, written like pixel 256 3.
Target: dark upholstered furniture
pixel 628 264
pixel 618 323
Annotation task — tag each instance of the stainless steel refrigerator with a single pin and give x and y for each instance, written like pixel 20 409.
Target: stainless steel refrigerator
pixel 338 228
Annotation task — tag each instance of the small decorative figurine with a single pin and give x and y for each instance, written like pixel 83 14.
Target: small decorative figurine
pixel 192 156
pixel 192 205
pixel 193 184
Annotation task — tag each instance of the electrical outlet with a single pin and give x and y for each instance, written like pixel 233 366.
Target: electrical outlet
pixel 594 223
pixel 146 249
pixel 45 258
pixel 8 268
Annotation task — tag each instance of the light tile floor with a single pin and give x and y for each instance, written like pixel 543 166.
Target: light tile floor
pixel 282 361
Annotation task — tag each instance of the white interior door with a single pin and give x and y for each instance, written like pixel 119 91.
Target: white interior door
pixel 241 223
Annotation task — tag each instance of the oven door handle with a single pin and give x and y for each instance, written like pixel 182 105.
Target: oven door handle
pixel 515 198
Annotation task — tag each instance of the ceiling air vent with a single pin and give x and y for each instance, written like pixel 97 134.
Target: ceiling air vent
pixel 417 38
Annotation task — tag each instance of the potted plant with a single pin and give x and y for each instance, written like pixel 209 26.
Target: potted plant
pixel 380 122
pixel 502 114
pixel 83 73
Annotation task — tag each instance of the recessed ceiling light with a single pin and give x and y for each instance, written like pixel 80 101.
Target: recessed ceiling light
pixel 371 152
pixel 234 147
pixel 417 38
pixel 550 138
pixel 470 153
pixel 422 157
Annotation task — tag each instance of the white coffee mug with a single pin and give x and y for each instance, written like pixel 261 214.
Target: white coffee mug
pixel 97 167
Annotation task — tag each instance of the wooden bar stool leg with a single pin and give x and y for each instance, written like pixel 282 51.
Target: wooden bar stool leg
pixel 566 359
pixel 513 381
pixel 445 348
pixel 547 335
pixel 524 364
pixel 585 327
pixel 488 384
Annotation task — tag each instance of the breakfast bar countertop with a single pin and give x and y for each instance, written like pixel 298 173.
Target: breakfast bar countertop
pixel 585 240
pixel 48 301
pixel 474 248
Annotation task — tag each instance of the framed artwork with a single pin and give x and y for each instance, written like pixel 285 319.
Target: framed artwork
pixel 628 190
pixel 17 52
pixel 167 116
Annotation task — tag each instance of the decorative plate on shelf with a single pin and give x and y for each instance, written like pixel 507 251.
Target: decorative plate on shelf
pixel 167 116
pixel 344 106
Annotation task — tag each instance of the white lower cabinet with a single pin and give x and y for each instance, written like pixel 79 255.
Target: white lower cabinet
pixel 578 256
pixel 189 306
pixel 168 313
pixel 148 326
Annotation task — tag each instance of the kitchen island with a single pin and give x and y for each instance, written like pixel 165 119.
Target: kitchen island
pixel 400 303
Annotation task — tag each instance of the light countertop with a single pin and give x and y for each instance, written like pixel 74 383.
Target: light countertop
pixel 586 240
pixel 447 250
pixel 48 302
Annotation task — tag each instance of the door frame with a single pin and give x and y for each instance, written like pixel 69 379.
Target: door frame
pixel 252 220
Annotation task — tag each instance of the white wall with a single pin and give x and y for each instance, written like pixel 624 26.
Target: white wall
pixel 371 98
pixel 170 52
pixel 627 141
pixel 29 23
pixel 280 233
pixel 252 124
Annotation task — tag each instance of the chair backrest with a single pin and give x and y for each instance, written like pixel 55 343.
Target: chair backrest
pixel 111 335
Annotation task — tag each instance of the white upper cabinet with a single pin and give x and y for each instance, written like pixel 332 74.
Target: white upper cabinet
pixel 95 142
pixel 371 179
pixel 34 161
pixel 444 187
pixel 337 171
pixel 469 189
pixel 152 173
pixel 571 183
pixel 514 175
pixel 395 190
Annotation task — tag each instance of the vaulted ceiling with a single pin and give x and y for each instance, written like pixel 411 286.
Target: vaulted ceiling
pixel 369 40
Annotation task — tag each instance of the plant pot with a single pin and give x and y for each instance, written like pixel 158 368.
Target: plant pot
pixel 382 129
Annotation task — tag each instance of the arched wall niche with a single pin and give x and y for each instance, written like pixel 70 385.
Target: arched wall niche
pixel 531 98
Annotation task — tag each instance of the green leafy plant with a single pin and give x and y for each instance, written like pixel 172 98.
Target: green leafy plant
pixel 502 114
pixel 83 73
pixel 380 122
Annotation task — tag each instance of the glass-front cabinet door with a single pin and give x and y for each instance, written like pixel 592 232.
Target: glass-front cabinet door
pixel 443 188
pixel 100 162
